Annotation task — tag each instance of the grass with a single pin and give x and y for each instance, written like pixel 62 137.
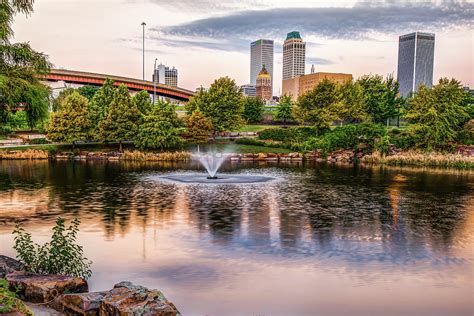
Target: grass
pixel 254 128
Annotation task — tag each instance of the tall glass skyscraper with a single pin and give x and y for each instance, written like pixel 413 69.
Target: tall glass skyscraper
pixel 294 55
pixel 261 54
pixel 415 61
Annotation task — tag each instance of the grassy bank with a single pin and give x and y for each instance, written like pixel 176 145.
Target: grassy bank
pixel 415 158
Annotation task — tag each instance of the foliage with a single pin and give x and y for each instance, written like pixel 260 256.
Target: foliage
pixel 223 104
pixel 437 114
pixel 122 119
pixel 289 135
pixel 284 112
pixel 88 91
pixel 347 136
pixel 317 106
pixel 253 109
pixel 71 123
pixel 59 256
pixel 466 135
pixel 20 66
pixel 143 102
pixel 382 144
pixel 401 139
pixel 99 104
pixel 351 106
pixel 380 97
pixel 56 104
pixel 198 128
pixel 255 142
pixel 18 120
pixel 9 303
pixel 160 129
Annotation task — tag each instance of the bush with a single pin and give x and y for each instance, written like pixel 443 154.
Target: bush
pixel 255 142
pixel 9 303
pixel 383 144
pixel 289 135
pixel 38 141
pixel 59 256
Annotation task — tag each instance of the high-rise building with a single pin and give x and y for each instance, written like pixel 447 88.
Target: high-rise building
pixel 297 86
pixel 294 54
pixel 249 90
pixel 166 75
pixel 415 61
pixel 264 85
pixel 261 53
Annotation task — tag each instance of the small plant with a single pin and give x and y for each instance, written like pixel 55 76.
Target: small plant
pixel 60 256
pixel 9 303
pixel 383 144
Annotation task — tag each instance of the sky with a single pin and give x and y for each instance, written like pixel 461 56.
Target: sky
pixel 207 39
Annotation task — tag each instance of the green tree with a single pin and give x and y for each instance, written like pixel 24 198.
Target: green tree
pixel 284 112
pixel 380 97
pixel 18 121
pixel 161 128
pixel 122 119
pixel 199 128
pixel 71 123
pixel 100 102
pixel 318 105
pixel 351 106
pixel 20 66
pixel 253 109
pixel 56 104
pixel 142 101
pixel 88 91
pixel 437 114
pixel 223 104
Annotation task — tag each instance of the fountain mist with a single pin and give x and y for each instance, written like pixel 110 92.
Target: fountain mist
pixel 211 161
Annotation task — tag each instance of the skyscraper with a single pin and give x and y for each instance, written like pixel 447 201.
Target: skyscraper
pixel 166 75
pixel 261 54
pixel 415 61
pixel 294 54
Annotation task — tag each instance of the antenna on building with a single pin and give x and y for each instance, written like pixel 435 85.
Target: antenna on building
pixel 312 69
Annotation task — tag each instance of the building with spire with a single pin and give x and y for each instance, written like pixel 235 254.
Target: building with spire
pixel 294 55
pixel 264 85
pixel 261 53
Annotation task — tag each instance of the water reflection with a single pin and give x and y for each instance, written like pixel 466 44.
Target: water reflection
pixel 371 220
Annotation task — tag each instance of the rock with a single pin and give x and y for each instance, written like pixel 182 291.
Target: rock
pixel 9 265
pixel 135 300
pixel 86 304
pixel 39 288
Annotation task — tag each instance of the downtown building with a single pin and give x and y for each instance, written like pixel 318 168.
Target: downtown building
pixel 300 85
pixel 166 75
pixel 264 85
pixel 249 90
pixel 415 61
pixel 294 55
pixel 261 55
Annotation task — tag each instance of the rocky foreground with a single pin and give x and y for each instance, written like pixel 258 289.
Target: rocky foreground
pixel 70 296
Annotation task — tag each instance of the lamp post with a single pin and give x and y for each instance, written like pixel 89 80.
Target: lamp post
pixel 143 25
pixel 154 82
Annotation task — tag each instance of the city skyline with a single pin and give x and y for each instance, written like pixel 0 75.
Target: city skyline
pixel 219 38
pixel 261 55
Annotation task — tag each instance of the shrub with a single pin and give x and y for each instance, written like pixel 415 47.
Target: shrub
pixel 255 142
pixel 59 256
pixel 289 135
pixel 383 144
pixel 9 303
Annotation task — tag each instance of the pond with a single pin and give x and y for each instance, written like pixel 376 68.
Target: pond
pixel 316 240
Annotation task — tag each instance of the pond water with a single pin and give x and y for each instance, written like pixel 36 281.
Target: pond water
pixel 317 240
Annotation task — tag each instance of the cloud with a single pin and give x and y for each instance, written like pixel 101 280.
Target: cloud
pixel 358 22
pixel 318 61
pixel 207 5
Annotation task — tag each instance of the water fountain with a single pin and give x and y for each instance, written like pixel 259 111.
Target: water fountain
pixel 211 161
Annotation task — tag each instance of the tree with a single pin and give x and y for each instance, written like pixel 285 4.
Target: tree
pixel 380 97
pixel 284 110
pixel 56 104
pixel 142 101
pixel 437 114
pixel 318 105
pixel 100 102
pixel 253 109
pixel 88 91
pixel 122 118
pixel 222 104
pixel 20 66
pixel 71 123
pixel 160 129
pixel 351 107
pixel 198 128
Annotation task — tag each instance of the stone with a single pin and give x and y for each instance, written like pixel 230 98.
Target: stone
pixel 38 288
pixel 86 304
pixel 135 300
pixel 9 265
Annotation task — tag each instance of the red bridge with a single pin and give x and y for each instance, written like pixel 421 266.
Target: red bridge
pixel 93 79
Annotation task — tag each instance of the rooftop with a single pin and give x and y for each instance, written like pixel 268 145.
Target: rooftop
pixel 293 34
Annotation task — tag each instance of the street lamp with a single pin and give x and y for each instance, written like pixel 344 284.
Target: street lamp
pixel 154 81
pixel 143 25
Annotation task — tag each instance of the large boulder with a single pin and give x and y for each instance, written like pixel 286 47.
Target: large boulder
pixel 9 265
pixel 86 304
pixel 135 300
pixel 38 288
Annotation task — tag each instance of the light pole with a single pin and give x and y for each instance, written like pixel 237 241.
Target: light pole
pixel 154 82
pixel 143 25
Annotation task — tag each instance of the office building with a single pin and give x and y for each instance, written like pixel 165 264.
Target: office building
pixel 261 53
pixel 264 85
pixel 295 87
pixel 415 61
pixel 294 54
pixel 249 90
pixel 166 75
